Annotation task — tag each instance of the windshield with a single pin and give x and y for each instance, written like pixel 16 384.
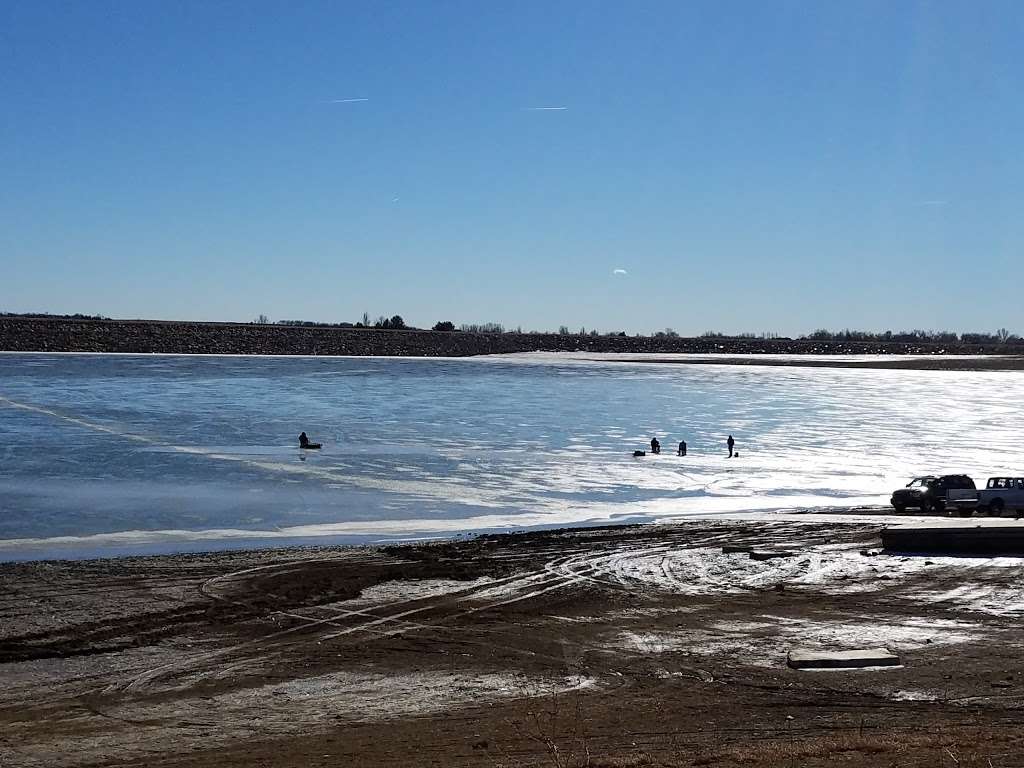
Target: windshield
pixel 920 482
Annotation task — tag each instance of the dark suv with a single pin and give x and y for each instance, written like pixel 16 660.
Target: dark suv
pixel 929 492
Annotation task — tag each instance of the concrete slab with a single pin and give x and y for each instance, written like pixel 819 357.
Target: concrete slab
pixel 983 537
pixel 767 554
pixel 855 659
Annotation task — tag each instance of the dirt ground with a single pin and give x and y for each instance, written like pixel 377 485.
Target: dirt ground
pixel 606 647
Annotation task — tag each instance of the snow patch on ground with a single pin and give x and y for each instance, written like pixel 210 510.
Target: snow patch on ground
pixel 304 705
pixel 767 639
pixel 834 569
pixel 901 695
pixel 371 696
pixel 408 591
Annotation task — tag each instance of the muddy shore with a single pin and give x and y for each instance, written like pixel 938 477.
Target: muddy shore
pixel 643 645
pixel 21 334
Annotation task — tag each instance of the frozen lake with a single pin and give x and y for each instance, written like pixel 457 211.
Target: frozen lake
pixel 104 454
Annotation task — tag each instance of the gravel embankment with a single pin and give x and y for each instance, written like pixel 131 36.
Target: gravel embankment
pixel 124 336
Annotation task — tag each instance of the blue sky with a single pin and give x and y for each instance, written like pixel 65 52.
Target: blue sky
pixel 752 166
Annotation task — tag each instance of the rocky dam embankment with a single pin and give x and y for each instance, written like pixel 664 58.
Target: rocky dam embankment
pixel 18 334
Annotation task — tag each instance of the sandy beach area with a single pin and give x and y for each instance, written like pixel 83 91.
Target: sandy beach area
pixel 643 645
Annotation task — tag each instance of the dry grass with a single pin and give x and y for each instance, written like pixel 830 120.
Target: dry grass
pixel 557 726
pixel 960 748
pixel 778 752
pixel 938 749
pixel 633 761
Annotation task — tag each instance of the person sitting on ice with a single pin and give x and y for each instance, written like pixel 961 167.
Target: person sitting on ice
pixel 655 445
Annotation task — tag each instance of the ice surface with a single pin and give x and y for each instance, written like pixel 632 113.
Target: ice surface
pixel 136 449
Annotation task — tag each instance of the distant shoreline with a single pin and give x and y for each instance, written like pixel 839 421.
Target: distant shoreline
pixel 931 363
pixel 23 334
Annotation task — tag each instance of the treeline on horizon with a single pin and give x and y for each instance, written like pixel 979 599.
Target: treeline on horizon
pixel 51 316
pixel 397 323
pixel 1001 336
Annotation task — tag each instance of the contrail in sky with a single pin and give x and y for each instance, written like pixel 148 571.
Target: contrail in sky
pixel 345 101
pixel 546 109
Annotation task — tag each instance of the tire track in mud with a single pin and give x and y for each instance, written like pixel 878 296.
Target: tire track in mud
pixel 615 564
pixel 606 565
pixel 634 566
pixel 372 620
pixel 535 582
pixel 103 636
pixel 603 567
pixel 567 571
pixel 611 566
pixel 595 568
pixel 559 573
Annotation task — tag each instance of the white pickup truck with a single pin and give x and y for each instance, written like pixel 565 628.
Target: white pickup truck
pixel 1001 494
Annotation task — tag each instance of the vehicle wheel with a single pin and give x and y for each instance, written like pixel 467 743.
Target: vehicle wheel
pixel 938 506
pixel 996 507
pixel 900 507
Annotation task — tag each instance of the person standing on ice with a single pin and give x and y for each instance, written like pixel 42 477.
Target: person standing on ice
pixel 682 447
pixel 730 443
